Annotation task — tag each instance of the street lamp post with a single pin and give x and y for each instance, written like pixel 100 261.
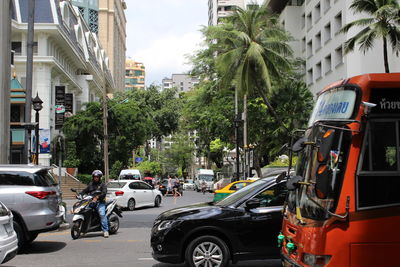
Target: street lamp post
pixel 37 106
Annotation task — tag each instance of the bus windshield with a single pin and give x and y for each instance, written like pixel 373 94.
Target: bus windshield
pixel 312 201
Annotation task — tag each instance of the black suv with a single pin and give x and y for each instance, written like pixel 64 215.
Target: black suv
pixel 243 226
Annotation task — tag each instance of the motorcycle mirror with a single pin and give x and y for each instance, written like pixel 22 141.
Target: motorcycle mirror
pixel 73 190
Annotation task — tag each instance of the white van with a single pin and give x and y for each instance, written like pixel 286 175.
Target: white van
pixel 130 174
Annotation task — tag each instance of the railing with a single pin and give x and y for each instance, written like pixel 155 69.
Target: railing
pixel 65 174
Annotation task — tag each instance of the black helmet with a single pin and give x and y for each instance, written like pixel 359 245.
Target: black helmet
pixel 97 173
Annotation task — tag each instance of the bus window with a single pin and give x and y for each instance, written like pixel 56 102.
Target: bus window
pixel 378 179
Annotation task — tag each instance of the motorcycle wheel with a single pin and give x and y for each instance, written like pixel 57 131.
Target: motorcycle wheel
pixel 76 229
pixel 113 224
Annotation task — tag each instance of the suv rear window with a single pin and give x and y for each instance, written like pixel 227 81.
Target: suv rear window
pixel 42 178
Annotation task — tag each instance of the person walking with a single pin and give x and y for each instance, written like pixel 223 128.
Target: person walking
pixel 169 185
pixel 176 187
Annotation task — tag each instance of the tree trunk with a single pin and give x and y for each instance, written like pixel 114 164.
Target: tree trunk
pixel 385 55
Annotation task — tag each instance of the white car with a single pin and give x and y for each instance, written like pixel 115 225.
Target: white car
pixel 133 194
pixel 8 237
pixel 188 185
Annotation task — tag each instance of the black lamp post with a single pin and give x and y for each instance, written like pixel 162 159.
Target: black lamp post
pixel 37 106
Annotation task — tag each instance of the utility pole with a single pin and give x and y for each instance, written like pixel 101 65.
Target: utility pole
pixel 29 73
pixel 5 73
pixel 237 122
pixel 245 146
pixel 105 132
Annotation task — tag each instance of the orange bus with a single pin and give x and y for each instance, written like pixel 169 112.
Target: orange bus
pixel 343 204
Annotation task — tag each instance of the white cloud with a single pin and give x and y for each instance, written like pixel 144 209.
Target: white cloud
pixel 166 55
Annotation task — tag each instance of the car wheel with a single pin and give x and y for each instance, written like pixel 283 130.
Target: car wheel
pixel 157 201
pixel 31 237
pixel 20 234
pixel 131 204
pixel 76 229
pixel 207 251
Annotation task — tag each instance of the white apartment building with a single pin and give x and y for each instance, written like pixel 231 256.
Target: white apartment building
pixel 70 67
pixel 315 25
pixel 218 9
pixel 182 82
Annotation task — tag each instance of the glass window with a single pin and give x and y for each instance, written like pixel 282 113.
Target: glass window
pixel 144 186
pixel 17 47
pixel 134 185
pixel 237 186
pixel 272 196
pixel 16 178
pixel 116 184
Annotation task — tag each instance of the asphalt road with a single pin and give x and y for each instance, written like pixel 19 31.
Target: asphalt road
pixel 129 247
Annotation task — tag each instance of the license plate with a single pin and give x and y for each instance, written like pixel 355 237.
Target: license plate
pixel 9 228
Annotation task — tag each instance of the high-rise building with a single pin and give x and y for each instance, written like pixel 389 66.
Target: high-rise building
pixel 90 12
pixel 218 9
pixel 315 26
pixel 182 82
pixel 107 19
pixel 134 75
pixel 112 35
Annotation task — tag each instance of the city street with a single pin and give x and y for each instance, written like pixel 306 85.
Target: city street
pixel 130 247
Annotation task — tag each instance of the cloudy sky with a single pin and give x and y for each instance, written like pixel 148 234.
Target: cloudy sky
pixel 161 32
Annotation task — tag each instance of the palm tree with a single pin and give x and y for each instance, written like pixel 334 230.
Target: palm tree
pixel 382 23
pixel 252 51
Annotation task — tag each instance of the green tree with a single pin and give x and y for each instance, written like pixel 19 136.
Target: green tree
pixel 150 168
pixel 253 50
pixel 382 23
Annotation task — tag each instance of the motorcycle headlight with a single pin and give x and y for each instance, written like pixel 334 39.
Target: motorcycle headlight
pixel 167 224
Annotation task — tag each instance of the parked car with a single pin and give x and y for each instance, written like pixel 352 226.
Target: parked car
pixel 33 196
pixel 243 226
pixel 188 184
pixel 133 194
pixel 8 237
pixel 230 188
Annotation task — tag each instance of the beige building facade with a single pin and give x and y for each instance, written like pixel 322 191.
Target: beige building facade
pixel 112 35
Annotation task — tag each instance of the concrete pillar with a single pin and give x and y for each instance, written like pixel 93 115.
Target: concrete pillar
pixel 5 69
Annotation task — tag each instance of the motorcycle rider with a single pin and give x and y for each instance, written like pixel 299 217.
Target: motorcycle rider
pixel 97 185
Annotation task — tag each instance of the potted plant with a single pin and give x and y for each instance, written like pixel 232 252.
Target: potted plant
pixel 71 165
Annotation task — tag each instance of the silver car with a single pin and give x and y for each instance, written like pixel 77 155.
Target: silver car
pixel 33 196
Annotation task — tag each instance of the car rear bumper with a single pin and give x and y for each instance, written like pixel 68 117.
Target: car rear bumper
pixel 44 220
pixel 8 248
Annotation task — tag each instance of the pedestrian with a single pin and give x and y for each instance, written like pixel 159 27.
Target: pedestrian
pixel 169 185
pixel 176 187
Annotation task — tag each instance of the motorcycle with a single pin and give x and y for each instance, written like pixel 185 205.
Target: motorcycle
pixel 203 188
pixel 86 218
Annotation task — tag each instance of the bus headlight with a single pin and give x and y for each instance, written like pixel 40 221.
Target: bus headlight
pixel 316 260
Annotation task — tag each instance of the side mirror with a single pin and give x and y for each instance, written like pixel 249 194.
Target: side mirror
pixel 293 182
pixel 323 186
pixel 326 145
pixel 280 177
pixel 299 145
pixel 252 204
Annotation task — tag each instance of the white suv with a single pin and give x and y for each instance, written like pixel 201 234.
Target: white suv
pixel 33 196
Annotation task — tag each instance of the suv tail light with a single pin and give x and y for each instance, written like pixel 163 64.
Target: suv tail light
pixel 41 194
pixel 119 193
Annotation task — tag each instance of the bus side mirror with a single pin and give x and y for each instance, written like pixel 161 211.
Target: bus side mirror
pixel 323 186
pixel 299 145
pixel 325 145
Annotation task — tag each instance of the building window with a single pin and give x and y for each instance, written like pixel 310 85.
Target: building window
pixel 338 56
pixel 318 41
pixel 310 76
pixel 318 72
pixel 309 49
pixel 317 12
pixel 338 22
pixel 327 5
pixel 15 113
pixel 181 83
pixel 17 47
pixel 93 20
pixel 327 32
pixel 309 21
pixel 303 21
pixel 328 63
pixel 303 44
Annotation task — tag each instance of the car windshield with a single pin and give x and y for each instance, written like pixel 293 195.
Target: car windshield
pixel 207 178
pixel 233 198
pixel 116 184
pixel 129 176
